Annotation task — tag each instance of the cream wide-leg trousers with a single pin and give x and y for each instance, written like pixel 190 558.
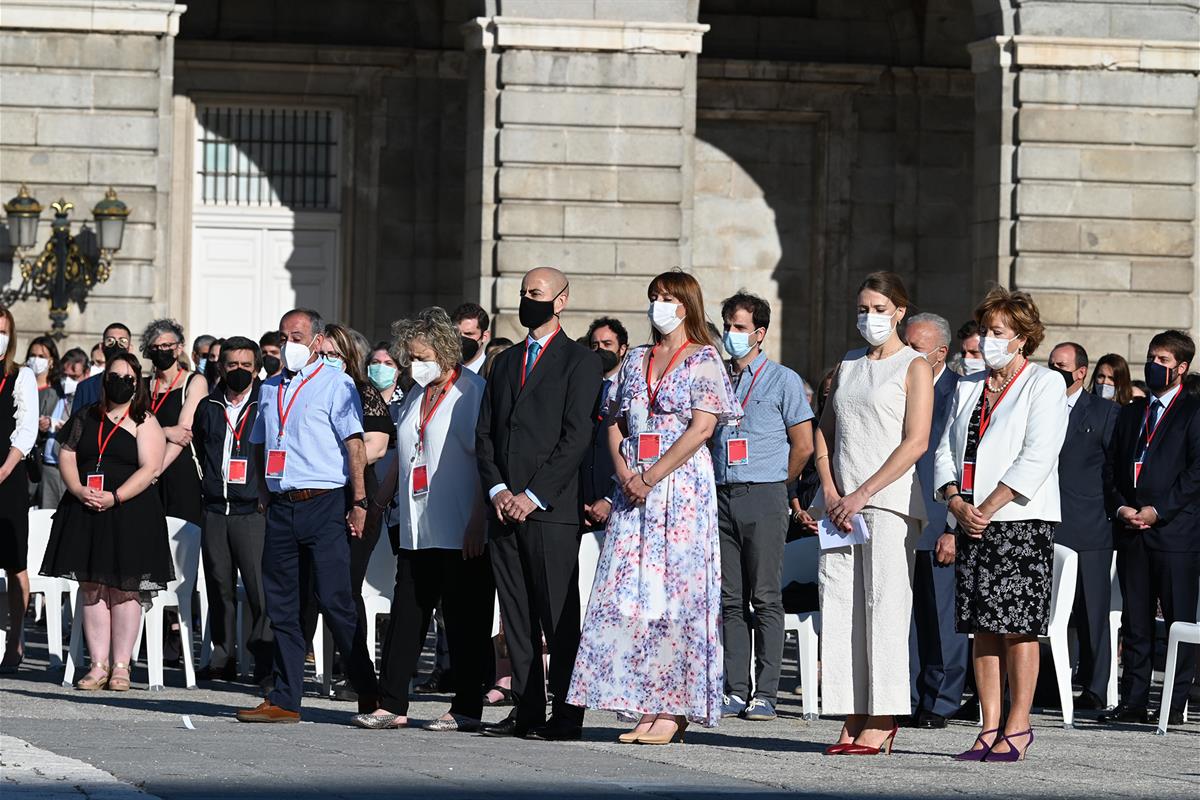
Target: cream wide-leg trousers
pixel 866 613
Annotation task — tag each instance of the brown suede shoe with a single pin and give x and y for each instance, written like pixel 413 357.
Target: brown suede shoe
pixel 267 712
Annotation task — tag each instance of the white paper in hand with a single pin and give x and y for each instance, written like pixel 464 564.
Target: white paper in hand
pixel 831 537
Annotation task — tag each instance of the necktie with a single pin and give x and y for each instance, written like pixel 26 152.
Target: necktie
pixel 1156 409
pixel 531 355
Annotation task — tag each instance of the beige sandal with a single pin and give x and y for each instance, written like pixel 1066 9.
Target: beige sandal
pixel 92 683
pixel 118 684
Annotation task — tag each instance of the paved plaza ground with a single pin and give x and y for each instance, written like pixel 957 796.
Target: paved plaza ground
pixel 57 743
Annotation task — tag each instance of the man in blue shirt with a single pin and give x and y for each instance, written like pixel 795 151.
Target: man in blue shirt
pixel 754 461
pixel 308 435
pixel 116 340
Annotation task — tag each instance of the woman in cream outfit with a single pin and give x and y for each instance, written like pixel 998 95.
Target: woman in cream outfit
pixel 875 427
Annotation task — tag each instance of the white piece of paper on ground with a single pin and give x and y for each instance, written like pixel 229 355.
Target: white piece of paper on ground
pixel 831 537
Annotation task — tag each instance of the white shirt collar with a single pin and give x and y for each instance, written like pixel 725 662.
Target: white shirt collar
pixel 477 364
pixel 542 341
pixel 1072 399
pixel 1168 397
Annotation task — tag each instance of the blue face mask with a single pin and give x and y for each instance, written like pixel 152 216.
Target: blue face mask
pixel 737 344
pixel 382 376
pixel 334 362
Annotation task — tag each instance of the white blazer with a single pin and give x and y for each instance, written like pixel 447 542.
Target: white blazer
pixel 1019 450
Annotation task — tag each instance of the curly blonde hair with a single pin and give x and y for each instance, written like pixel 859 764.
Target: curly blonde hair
pixel 433 327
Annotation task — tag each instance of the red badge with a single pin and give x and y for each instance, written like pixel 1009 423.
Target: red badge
pixel 738 452
pixel 237 470
pixel 649 447
pixel 420 480
pixel 96 481
pixel 968 477
pixel 276 461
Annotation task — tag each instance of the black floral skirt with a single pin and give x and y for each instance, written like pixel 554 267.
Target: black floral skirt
pixel 1004 580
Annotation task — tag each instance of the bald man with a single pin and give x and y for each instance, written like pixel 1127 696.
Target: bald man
pixel 535 425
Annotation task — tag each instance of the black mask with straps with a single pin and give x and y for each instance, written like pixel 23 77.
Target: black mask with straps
pixel 536 313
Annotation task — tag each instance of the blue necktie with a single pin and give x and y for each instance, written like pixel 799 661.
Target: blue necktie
pixel 531 355
pixel 1156 409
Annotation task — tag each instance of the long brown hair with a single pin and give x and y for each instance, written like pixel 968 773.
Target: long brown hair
pixel 1121 380
pixel 344 341
pixel 9 368
pixel 686 290
pixel 139 405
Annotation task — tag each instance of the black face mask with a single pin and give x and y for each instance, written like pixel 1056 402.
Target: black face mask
pixel 112 351
pixel 608 360
pixel 118 388
pixel 271 364
pixel 536 313
pixel 470 349
pixel 1158 377
pixel 162 359
pixel 1067 375
pixel 238 379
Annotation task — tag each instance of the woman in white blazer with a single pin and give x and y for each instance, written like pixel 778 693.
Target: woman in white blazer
pixel 997 469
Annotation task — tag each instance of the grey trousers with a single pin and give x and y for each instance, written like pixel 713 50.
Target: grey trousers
pixel 51 488
pixel 753 521
pixel 234 544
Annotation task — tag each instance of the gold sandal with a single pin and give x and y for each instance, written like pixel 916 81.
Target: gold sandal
pixel 88 683
pixel 117 684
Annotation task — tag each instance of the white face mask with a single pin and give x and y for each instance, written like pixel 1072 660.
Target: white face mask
pixel 3 345
pixel 425 372
pixel 875 328
pixel 296 355
pixel 973 365
pixel 94 370
pixel 1106 390
pixel 39 365
pixel 995 351
pixel 663 316
pixel 69 385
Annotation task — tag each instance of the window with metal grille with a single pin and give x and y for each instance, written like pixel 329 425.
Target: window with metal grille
pixel 267 157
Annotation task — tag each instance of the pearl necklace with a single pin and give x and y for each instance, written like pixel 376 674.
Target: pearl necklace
pixel 999 389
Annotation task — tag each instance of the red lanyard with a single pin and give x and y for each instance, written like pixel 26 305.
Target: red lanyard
pixel 653 392
pixel 237 435
pixel 162 398
pixel 283 414
pixel 525 368
pixel 1146 418
pixel 985 413
pixel 425 418
pixel 102 444
pixel 3 383
pixel 753 381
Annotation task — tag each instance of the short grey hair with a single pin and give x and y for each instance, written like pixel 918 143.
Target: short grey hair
pixel 939 322
pixel 316 324
pixel 433 327
pixel 156 329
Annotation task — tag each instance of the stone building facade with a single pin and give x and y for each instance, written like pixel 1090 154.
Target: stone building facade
pixel 372 158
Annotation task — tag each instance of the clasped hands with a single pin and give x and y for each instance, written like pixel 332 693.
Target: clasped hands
pixel 973 520
pixel 841 510
pixel 512 508
pixel 1138 520
pixel 96 499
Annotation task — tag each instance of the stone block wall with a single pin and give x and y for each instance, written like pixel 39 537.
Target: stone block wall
pixel 85 104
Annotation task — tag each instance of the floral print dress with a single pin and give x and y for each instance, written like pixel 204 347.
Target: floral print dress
pixel 651 641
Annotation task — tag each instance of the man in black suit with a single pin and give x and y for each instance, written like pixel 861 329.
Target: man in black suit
pixel 937 651
pixel 1083 472
pixel 534 427
pixel 1155 504
pixel 608 339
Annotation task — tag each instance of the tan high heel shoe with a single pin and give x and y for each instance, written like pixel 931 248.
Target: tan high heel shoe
pixel 88 683
pixel 116 683
pixel 676 735
pixel 632 736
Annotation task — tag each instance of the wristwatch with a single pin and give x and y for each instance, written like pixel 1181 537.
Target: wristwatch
pixel 362 503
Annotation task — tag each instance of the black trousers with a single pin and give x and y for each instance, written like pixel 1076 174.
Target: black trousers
pixel 426 579
pixel 1089 615
pixel 232 544
pixel 361 549
pixel 938 653
pixel 536 566
pixel 316 530
pixel 1148 577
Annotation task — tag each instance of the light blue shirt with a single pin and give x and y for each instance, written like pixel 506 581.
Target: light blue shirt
pixel 500 487
pixel 776 403
pixel 326 412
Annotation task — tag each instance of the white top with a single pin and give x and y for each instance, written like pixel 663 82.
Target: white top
pixel 869 403
pixel 26 412
pixel 1020 448
pixel 477 364
pixel 440 518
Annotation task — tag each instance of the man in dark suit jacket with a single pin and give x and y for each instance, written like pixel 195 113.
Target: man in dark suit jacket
pixel 1083 472
pixel 1155 505
pixel 937 652
pixel 534 427
pixel 608 339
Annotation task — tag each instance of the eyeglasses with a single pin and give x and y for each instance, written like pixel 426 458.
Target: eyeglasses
pixel 123 378
pixel 163 348
pixel 109 341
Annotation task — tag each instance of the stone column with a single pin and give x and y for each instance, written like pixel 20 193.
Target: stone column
pixel 579 155
pixel 1086 181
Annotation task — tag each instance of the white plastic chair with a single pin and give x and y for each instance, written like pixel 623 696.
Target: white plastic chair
pixel 1181 633
pixel 800 563
pixel 205 622
pixel 1115 604
pixel 50 589
pixel 378 588
pixel 1062 598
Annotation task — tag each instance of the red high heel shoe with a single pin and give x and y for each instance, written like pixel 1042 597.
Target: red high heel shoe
pixel 885 747
pixel 837 749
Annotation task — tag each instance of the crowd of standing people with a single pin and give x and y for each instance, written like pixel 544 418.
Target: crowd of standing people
pixel 937 472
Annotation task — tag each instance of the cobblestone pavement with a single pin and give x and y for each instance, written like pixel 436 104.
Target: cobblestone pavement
pixel 60 743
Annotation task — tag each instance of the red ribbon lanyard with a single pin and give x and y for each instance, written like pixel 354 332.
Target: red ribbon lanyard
pixel 237 435
pixel 653 391
pixel 425 418
pixel 525 369
pixel 1145 419
pixel 162 398
pixel 757 372
pixel 3 383
pixel 985 413
pixel 102 444
pixel 283 414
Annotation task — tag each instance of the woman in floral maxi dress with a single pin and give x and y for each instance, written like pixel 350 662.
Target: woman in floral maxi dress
pixel 651 641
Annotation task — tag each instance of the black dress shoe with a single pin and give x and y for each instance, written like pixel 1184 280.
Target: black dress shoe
pixel 438 682
pixel 967 712
pixel 557 731
pixel 930 721
pixel 1089 701
pixel 907 720
pixel 210 673
pixel 1124 713
pixel 505 728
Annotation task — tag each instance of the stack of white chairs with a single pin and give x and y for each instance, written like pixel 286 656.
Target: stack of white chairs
pixel 47 592
pixel 800 562
pixel 377 591
pixel 1180 633
pixel 1062 598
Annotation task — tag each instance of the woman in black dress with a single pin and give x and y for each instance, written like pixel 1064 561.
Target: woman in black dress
pixel 109 532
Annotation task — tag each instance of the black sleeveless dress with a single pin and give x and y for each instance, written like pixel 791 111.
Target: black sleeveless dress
pixel 125 547
pixel 14 491
pixel 179 484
